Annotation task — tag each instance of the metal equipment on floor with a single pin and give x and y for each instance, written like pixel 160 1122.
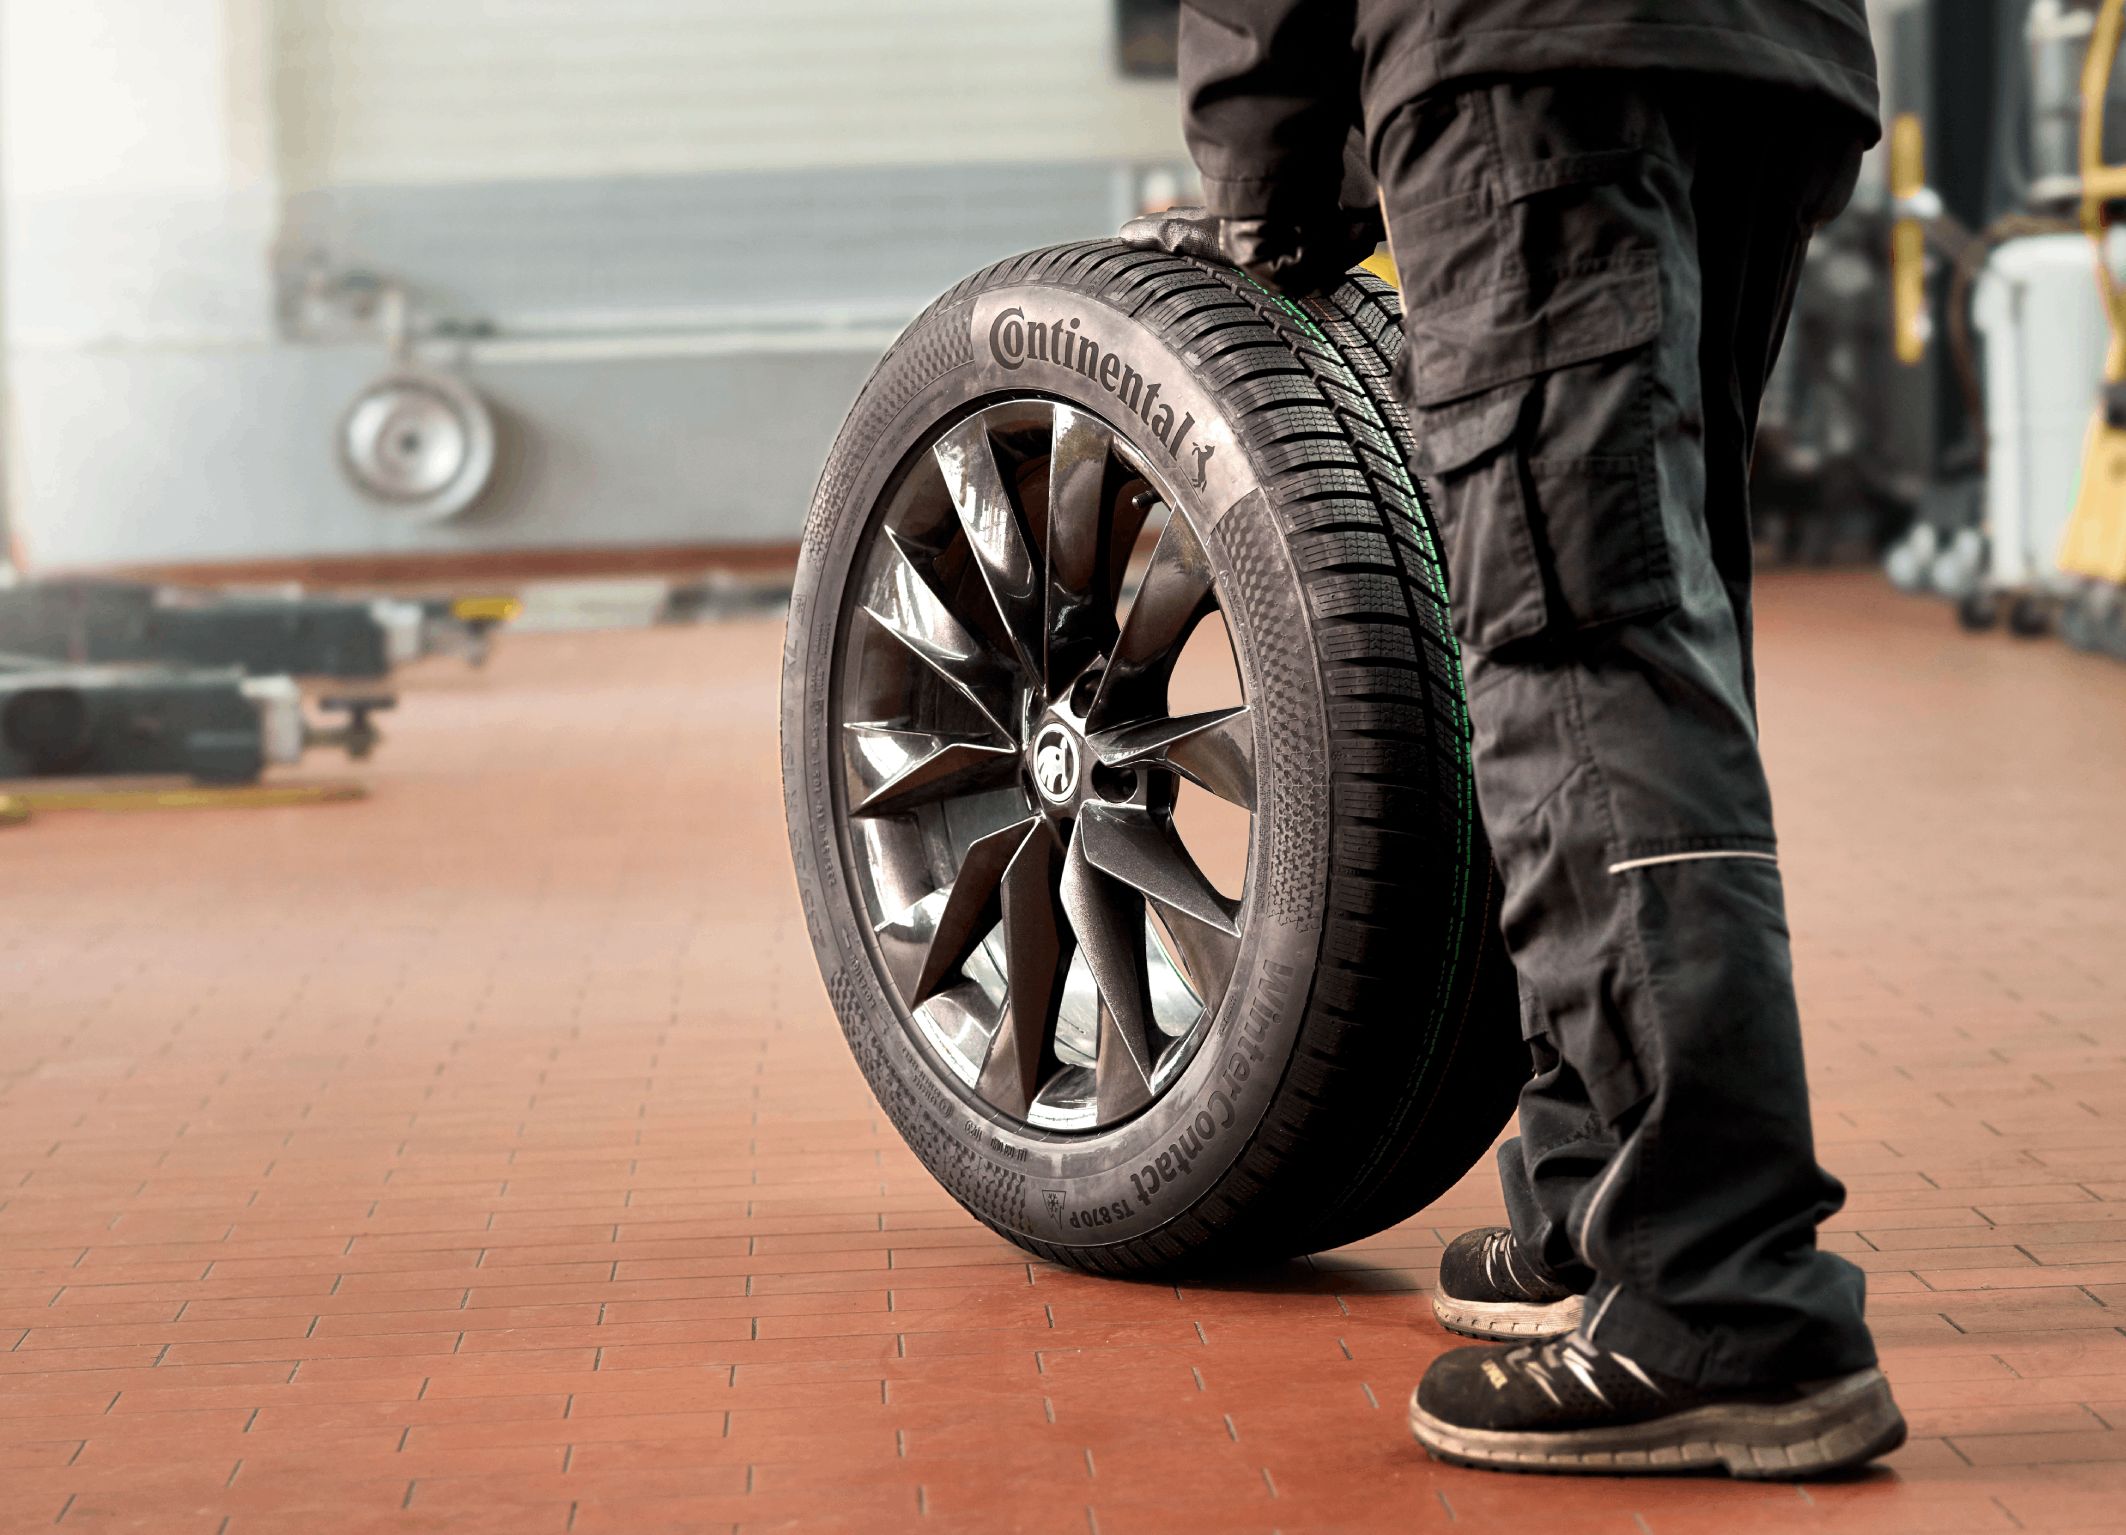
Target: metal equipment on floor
pixel 2022 512
pixel 2044 336
pixel 261 634
pixel 212 724
pixel 1828 483
pixel 1955 92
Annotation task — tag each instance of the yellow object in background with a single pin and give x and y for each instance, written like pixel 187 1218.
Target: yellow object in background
pixel 1908 241
pixel 498 610
pixel 1382 265
pixel 2095 543
pixel 137 796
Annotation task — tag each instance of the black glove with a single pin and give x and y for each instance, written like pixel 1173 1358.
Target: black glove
pixel 1178 232
pixel 1294 259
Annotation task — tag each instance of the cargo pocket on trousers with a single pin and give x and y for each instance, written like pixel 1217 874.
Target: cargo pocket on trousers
pixel 1494 583
pixel 1532 417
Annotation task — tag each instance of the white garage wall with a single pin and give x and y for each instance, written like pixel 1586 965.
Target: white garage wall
pixel 136 158
pixel 401 91
pixel 126 97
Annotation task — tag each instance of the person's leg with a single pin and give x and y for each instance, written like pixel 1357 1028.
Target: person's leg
pixel 1526 1281
pixel 1748 258
pixel 1550 253
pixel 1751 247
pixel 1562 1147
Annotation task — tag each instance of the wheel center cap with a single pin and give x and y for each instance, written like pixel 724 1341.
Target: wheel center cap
pixel 1055 764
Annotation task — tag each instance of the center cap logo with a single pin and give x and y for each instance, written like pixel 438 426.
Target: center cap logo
pixel 1055 764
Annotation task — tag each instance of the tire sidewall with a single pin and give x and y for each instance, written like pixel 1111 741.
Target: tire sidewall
pixel 1083 1190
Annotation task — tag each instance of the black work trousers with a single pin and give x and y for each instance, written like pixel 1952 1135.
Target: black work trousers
pixel 1597 270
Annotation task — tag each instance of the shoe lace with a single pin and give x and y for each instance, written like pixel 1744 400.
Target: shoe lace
pixel 1498 1248
pixel 1545 1364
pixel 1499 1252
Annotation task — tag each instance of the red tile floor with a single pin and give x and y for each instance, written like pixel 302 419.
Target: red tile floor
pixel 483 1156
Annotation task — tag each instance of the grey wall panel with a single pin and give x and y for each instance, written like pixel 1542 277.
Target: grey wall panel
pixel 581 253
pixel 394 91
pixel 159 457
pixel 671 357
pixel 684 228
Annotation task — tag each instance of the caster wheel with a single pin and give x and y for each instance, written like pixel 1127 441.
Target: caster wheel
pixel 1910 560
pixel 1978 611
pixel 2029 616
pixel 1062 588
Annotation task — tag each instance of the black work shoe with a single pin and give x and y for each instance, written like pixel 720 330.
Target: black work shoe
pixel 1568 1406
pixel 1487 1290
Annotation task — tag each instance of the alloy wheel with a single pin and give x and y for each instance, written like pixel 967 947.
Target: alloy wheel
pixel 1011 767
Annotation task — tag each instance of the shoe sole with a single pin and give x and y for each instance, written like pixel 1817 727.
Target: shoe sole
pixel 1844 1424
pixel 1507 1321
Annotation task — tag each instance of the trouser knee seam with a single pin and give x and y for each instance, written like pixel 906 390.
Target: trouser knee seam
pixel 1629 892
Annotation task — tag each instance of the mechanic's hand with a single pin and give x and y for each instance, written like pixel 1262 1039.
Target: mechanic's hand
pixel 1301 259
pixel 1294 259
pixel 1178 232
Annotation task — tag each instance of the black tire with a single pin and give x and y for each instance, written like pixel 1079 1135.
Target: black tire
pixel 1978 611
pixel 1366 1049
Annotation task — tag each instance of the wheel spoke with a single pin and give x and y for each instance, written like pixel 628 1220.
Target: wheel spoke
pixel 1037 957
pixel 1215 749
pixel 965 1015
pixel 1207 952
pixel 1176 593
pixel 1121 1084
pixel 1002 551
pixel 1142 852
pixel 1072 951
pixel 920 768
pixel 903 603
pixel 1080 621
pixel 1109 922
pixel 932 939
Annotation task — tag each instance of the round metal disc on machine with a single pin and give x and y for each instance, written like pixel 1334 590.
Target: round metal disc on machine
pixel 421 442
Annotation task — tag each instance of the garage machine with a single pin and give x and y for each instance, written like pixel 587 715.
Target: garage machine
pixel 2005 316
pixel 261 635
pixel 210 724
pixel 113 678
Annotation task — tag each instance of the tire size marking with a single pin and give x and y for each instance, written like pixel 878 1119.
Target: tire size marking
pixel 1101 1215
